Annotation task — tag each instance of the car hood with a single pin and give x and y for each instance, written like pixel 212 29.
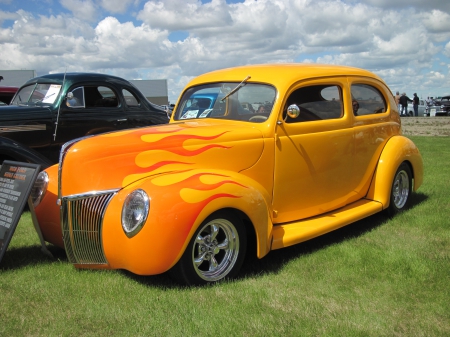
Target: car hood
pixel 115 160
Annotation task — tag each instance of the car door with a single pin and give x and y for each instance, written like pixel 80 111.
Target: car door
pixel 314 153
pixel 138 111
pixel 372 127
pixel 94 108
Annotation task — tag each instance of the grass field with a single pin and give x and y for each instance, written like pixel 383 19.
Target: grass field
pixel 377 277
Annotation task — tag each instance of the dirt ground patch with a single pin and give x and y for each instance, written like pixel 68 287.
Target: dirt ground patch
pixel 426 126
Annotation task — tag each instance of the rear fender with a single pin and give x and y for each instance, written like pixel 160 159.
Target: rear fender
pixel 398 149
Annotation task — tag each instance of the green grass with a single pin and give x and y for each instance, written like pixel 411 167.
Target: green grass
pixel 378 277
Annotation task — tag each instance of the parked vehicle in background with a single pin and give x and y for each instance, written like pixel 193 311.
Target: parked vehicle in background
pixel 50 110
pixel 6 94
pixel 422 109
pixel 440 108
pixel 322 150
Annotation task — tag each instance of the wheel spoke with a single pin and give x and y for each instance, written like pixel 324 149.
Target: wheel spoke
pixel 199 259
pixel 213 264
pixel 200 240
pixel 214 231
pixel 223 245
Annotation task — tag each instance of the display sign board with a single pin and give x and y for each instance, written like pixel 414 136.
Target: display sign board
pixel 16 182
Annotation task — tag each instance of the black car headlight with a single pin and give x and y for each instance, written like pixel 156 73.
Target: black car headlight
pixel 39 188
pixel 134 212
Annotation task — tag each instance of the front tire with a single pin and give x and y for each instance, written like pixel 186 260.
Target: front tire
pixel 401 189
pixel 215 252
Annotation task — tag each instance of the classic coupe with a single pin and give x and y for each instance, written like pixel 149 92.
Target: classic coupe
pixel 49 110
pixel 440 107
pixel 263 156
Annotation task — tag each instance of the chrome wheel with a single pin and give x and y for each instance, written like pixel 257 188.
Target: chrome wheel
pixel 400 189
pixel 215 250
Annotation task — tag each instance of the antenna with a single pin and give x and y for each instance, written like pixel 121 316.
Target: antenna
pixel 59 107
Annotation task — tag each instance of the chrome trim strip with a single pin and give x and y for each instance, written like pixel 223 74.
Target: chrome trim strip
pixel 91 194
pixel 21 128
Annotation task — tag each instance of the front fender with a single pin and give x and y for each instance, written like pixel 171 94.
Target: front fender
pixel 11 149
pixel 180 202
pixel 48 212
pixel 397 150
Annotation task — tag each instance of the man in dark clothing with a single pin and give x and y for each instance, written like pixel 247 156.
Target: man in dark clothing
pixel 404 103
pixel 416 105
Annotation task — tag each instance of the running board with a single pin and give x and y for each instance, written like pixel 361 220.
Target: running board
pixel 291 233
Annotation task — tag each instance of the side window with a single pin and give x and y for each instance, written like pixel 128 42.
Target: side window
pixel 100 97
pixel 130 99
pixel 77 99
pixel 367 100
pixel 316 102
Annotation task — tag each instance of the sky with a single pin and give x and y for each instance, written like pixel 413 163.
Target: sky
pixel 405 42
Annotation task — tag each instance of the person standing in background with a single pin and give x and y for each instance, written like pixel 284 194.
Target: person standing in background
pixel 404 103
pixel 416 105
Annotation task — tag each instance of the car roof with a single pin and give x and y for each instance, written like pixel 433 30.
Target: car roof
pixel 280 75
pixel 76 77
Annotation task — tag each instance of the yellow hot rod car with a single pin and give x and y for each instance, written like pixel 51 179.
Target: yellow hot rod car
pixel 269 154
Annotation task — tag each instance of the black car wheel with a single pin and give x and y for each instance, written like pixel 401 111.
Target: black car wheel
pixel 401 189
pixel 215 252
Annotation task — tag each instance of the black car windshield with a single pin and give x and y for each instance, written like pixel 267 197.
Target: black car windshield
pixel 43 93
pixel 251 102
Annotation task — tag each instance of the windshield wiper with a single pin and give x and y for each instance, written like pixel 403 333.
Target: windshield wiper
pixel 239 86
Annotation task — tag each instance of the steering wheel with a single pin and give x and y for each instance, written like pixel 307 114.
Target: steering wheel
pixel 257 118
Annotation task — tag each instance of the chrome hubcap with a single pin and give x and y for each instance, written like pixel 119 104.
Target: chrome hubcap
pixel 215 250
pixel 400 190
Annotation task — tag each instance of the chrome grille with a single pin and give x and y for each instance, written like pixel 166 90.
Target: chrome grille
pixel 82 224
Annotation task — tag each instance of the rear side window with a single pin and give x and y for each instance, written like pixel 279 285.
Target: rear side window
pixel 316 102
pixel 367 100
pixel 130 99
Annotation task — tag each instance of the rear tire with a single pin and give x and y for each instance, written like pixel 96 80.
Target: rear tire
pixel 401 189
pixel 216 251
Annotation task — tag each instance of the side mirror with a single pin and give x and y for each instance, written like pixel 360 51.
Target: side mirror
pixel 293 111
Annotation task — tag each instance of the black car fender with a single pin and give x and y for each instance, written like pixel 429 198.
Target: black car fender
pixel 13 150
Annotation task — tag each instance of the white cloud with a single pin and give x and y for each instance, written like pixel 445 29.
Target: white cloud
pixel 447 49
pixel 116 6
pixel 405 44
pixel 81 9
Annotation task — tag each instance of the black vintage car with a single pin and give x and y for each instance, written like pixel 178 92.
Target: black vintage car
pixel 440 107
pixel 49 110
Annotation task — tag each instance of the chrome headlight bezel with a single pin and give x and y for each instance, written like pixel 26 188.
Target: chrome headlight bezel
pixel 39 188
pixel 135 210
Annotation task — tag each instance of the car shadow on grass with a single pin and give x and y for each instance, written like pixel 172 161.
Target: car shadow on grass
pixel 272 263
pixel 275 260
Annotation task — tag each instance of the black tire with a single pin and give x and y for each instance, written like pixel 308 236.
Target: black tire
pixel 401 189
pixel 215 252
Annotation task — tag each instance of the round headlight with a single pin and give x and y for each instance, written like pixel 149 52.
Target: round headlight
pixel 39 188
pixel 134 212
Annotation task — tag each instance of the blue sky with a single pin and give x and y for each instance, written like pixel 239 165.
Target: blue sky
pixel 407 43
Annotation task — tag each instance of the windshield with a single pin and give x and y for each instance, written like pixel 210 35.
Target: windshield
pixel 251 102
pixel 37 93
